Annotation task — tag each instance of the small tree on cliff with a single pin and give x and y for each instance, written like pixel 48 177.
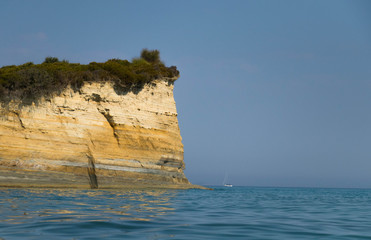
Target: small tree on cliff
pixel 151 56
pixel 51 60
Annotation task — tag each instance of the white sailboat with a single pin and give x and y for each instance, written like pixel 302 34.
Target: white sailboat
pixel 225 182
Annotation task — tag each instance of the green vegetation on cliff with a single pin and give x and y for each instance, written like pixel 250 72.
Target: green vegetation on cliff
pixel 29 82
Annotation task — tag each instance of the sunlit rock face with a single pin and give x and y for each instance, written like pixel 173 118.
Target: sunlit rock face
pixel 97 137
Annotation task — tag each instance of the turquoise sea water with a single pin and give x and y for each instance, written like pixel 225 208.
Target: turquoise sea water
pixel 225 213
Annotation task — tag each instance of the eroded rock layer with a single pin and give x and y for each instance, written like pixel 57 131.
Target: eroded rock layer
pixel 94 137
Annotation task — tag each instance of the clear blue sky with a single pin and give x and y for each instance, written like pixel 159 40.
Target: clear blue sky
pixel 276 93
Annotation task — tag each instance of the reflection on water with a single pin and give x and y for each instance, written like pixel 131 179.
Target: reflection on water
pixel 225 213
pixel 62 205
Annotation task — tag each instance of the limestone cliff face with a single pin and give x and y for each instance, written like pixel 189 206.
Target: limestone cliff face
pixel 94 137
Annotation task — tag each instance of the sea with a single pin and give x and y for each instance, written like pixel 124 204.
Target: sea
pixel 222 213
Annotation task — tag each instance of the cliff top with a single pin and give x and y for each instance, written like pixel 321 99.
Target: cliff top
pixel 29 82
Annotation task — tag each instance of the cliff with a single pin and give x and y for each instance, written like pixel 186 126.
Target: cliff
pixel 95 137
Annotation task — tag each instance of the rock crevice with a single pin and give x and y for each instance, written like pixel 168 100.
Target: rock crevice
pixel 110 121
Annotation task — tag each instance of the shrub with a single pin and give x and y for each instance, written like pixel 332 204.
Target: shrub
pixel 34 83
pixel 139 61
pixel 152 56
pixel 31 81
pixel 51 60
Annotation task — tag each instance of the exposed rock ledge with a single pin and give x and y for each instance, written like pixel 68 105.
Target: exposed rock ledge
pixel 94 138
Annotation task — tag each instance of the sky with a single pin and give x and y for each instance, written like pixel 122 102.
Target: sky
pixel 271 93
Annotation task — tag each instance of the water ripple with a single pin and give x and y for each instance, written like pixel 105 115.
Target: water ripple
pixel 225 213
